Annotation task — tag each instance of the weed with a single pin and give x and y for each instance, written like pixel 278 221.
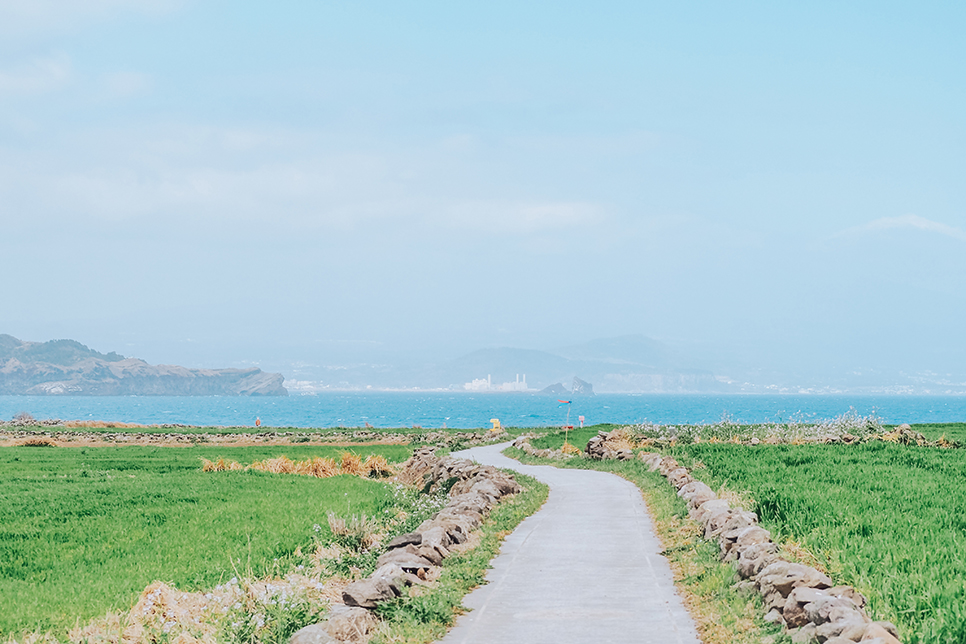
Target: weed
pixel 356 533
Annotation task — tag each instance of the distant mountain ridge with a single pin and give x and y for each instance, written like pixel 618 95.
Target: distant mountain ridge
pixel 67 367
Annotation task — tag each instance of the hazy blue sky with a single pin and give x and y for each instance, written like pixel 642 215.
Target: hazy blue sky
pixel 212 183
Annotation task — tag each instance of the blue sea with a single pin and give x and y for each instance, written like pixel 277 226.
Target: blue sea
pixel 468 410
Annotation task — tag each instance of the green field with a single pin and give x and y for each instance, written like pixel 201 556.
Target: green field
pixel 887 519
pixel 84 530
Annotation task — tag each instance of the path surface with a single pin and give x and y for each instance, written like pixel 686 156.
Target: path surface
pixel 584 569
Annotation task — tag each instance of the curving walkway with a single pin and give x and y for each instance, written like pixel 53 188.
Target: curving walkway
pixel 585 569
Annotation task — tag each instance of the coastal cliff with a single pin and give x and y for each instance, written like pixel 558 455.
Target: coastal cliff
pixel 67 367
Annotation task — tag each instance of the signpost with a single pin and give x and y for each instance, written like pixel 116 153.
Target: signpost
pixel 567 426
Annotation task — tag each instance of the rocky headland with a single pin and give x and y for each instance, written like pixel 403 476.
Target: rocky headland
pixel 69 368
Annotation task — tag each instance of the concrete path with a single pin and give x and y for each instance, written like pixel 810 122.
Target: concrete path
pixel 584 569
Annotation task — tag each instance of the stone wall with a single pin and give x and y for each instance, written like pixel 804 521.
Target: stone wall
pixel 804 600
pixel 413 558
pixel 523 443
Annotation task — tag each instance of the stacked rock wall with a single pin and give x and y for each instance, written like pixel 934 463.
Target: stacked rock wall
pixel 523 443
pixel 415 557
pixel 606 445
pixel 803 599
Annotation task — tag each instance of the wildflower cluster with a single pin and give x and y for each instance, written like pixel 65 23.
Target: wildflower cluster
pixel 798 430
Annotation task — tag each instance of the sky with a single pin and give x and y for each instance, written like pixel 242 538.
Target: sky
pixel 221 184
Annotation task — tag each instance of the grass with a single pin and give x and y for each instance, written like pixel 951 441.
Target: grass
pixel 85 530
pixel 578 437
pixel 722 615
pixel 425 617
pixel 887 519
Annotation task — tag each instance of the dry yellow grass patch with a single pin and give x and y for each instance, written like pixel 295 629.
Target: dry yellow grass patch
pixel 352 464
pixel 221 465
pixel 279 465
pixel 37 442
pixel 374 465
pixel 570 449
pixel 378 465
pixel 318 467
pixel 100 424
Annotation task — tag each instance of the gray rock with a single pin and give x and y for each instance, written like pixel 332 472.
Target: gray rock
pixel 854 632
pixel 679 477
pixel 794 609
pixel 889 627
pixel 875 632
pixel 733 540
pixel 651 459
pixel 829 630
pixel 404 540
pixel 436 538
pixel 833 609
pixel 312 634
pixel 715 523
pixel 709 508
pixel 782 577
pixel 349 623
pixel 432 555
pixel 805 635
pixel 850 593
pixel 696 493
pixel 774 616
pixel 367 593
pixel 667 465
pixel 752 559
pixel 410 559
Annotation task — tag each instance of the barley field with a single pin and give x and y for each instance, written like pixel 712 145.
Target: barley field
pixel 85 530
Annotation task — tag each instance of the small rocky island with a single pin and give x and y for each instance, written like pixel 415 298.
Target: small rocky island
pixel 69 368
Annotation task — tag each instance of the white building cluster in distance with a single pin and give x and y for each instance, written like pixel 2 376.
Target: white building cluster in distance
pixel 486 384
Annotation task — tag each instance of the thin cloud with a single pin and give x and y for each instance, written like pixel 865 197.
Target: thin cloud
pixel 905 221
pixel 124 84
pixel 25 17
pixel 510 217
pixel 37 76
